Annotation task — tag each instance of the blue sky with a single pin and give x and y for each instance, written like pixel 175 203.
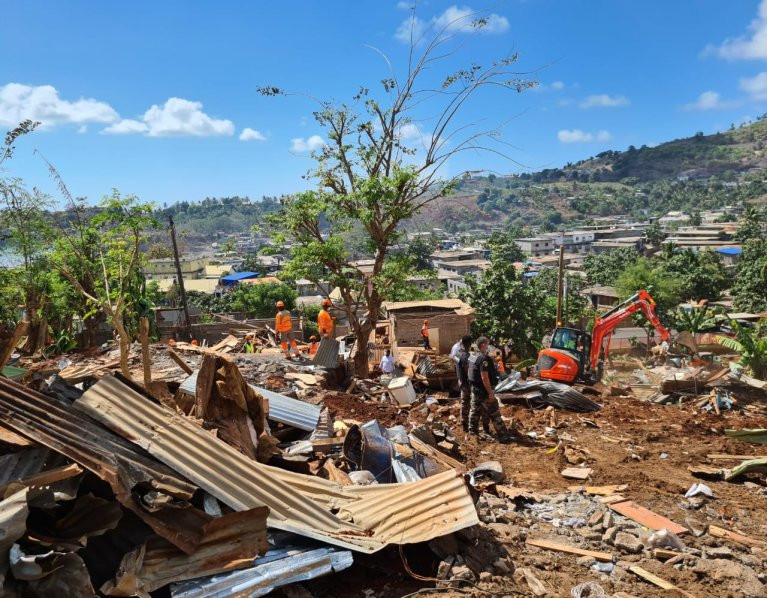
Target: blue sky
pixel 159 98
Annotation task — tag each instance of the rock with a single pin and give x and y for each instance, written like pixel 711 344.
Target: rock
pixel 502 566
pixel 462 572
pixel 585 560
pixel 596 519
pixel 608 520
pixel 558 499
pixel 732 575
pixel 609 535
pixel 486 576
pixel 719 552
pixel 589 534
pixel 495 502
pixel 628 542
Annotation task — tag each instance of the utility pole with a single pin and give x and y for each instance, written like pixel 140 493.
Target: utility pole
pixel 560 284
pixel 180 279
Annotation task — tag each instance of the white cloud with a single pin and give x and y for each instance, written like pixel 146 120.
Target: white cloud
pixel 302 146
pixel 751 45
pixel 557 85
pixel 126 126
pixel 756 86
pixel 249 134
pixel 708 100
pixel 82 130
pixel 42 103
pixel 603 100
pixel 578 136
pixel 402 5
pixel 455 19
pixel 176 118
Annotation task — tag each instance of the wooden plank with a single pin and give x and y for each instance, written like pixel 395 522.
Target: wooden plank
pixel 653 579
pixel 646 517
pixel 664 553
pixel 599 490
pixel 719 532
pixel 435 454
pixel 145 361
pixel 723 457
pixel 181 363
pixel 576 473
pixel 45 478
pixel 606 500
pixel 559 547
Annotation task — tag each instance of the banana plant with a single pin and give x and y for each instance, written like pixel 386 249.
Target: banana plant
pixel 751 343
pixel 695 320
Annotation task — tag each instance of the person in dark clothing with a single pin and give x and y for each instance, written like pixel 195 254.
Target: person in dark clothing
pixel 462 373
pixel 483 378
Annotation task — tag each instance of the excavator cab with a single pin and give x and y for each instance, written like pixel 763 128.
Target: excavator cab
pixel 566 359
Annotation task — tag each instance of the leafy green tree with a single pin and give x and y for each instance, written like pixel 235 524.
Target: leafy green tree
pixel 751 343
pixel 701 274
pixel 112 281
pixel 159 251
pixel 643 274
pixel 695 320
pixel 508 309
pixel 606 268
pixel 379 168
pixel 309 313
pixel 654 234
pixel 751 225
pixel 261 299
pixel 576 307
pixel 419 250
pixel 749 289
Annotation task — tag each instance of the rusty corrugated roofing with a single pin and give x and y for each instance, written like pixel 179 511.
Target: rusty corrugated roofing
pixel 367 519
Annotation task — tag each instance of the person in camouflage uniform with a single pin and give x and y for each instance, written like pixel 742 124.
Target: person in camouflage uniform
pixel 461 358
pixel 483 378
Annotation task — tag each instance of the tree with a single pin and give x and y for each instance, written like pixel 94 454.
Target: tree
pixel 751 225
pixel 749 289
pixel 379 167
pixel 576 307
pixel 605 268
pixel 508 310
pixel 419 250
pixel 261 299
pixel 654 234
pixel 159 251
pixel 751 343
pixel 643 274
pixel 110 281
pixel 695 320
pixel 701 275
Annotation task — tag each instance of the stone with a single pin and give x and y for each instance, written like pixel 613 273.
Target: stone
pixel 591 535
pixel 495 502
pixel 502 566
pixel 595 519
pixel 586 561
pixel 719 552
pixel 608 520
pixel 734 576
pixel 609 535
pixel 486 576
pixel 628 542
pixel 558 499
pixel 462 572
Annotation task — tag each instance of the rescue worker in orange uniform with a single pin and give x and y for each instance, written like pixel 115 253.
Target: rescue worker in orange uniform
pixel 425 335
pixel 499 365
pixel 325 320
pixel 283 326
pixel 312 345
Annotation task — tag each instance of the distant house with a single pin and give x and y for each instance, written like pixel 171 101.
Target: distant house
pixel 449 320
pixel 601 297
pixel 234 279
pixel 166 268
pixel 536 246
pixel 729 255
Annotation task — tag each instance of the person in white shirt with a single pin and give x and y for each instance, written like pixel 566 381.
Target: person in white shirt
pixel 455 348
pixel 387 363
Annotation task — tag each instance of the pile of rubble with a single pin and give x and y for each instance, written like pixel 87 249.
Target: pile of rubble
pixel 228 473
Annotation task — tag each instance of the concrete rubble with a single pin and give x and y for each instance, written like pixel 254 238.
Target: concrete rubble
pixel 244 474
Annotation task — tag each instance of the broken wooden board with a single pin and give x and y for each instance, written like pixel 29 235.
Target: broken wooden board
pixel 605 557
pixel 653 579
pixel 599 490
pixel 646 517
pixel 47 477
pixel 607 500
pixel 576 473
pixel 308 379
pixel 719 532
pixel 723 457
pixel 665 553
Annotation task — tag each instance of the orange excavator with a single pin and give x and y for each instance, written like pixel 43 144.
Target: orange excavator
pixel 577 356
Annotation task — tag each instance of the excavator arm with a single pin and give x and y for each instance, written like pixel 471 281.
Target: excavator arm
pixel 605 325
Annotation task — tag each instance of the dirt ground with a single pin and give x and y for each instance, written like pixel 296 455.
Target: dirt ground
pixel 644 445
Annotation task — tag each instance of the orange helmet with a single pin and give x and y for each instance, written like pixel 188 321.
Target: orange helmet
pixel 280 304
pixel 248 336
pixel 172 342
pixel 312 338
pixel 194 342
pixel 326 303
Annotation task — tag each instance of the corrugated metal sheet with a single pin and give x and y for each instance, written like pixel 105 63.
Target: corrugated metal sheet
pixel 285 410
pixel 327 353
pixel 26 463
pixel 364 518
pixel 280 567
pixel 53 423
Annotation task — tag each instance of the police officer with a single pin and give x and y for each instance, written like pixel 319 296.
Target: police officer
pixel 461 359
pixel 483 377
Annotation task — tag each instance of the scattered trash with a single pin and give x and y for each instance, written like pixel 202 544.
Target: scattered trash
pixel 665 538
pixel 696 489
pixel 589 589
